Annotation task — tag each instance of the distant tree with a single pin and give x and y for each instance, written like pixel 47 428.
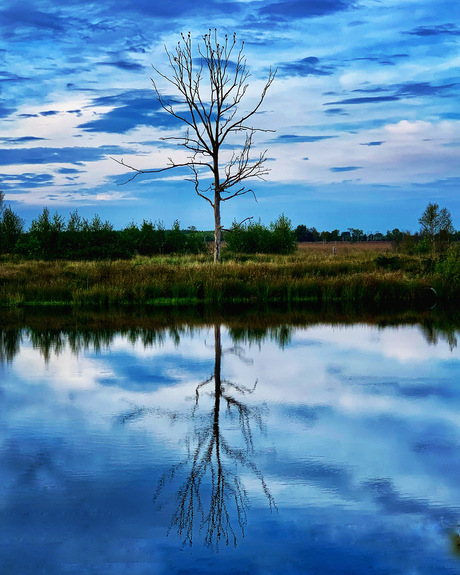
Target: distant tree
pixel 335 235
pixel 305 234
pixel 395 235
pixel 434 220
pixel 356 235
pixel 301 232
pixel 45 235
pixel 436 224
pixel 283 236
pixel 211 83
pixel 11 229
pixel 2 197
pixel 76 223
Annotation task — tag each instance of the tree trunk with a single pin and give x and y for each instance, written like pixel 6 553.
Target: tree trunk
pixel 217 226
pixel 217 230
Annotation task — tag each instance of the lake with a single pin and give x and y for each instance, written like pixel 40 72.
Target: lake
pixel 215 447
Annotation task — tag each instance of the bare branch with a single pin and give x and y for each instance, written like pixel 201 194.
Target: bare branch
pixel 237 226
pixel 171 166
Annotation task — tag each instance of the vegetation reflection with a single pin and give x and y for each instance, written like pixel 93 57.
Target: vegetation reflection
pixel 80 332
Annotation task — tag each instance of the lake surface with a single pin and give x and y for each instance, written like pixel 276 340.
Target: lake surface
pixel 319 449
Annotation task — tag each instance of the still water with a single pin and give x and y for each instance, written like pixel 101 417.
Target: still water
pixel 322 449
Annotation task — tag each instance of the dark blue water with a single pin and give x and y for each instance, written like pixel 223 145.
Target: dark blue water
pixel 321 450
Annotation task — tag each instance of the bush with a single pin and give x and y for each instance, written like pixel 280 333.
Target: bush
pixel 283 239
pixel 449 264
pixel 391 263
pixel 255 237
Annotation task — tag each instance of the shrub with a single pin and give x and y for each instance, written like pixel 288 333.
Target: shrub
pixel 449 264
pixel 283 239
pixel 392 263
pixel 255 237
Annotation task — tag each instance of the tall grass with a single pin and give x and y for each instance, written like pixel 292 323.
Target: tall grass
pixel 308 275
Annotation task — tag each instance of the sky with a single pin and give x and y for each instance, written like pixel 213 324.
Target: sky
pixel 363 115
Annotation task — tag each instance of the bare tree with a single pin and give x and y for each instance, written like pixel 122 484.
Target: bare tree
pixel 212 86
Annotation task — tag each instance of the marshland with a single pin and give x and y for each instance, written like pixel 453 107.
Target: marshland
pixel 355 272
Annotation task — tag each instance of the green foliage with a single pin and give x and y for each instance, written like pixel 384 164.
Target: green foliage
pixel 44 238
pixel 436 224
pixel 283 237
pixel 388 262
pixel 81 239
pixel 449 264
pixel 304 234
pixel 356 234
pixel 176 241
pixel 249 238
pixel 422 247
pixel 434 220
pixel 11 228
pixel 255 237
pixel 405 242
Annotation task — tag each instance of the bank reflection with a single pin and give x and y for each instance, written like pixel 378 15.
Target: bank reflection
pixel 51 333
pixel 209 496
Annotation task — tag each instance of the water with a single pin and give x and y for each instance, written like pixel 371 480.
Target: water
pixel 319 449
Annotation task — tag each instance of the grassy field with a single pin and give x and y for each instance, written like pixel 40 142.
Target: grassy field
pixel 355 273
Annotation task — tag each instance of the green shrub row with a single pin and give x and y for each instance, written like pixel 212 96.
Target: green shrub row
pixel 50 238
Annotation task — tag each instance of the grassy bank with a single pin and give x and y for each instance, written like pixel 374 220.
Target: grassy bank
pixel 314 273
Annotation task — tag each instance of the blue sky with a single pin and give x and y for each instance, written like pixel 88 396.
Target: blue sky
pixel 365 108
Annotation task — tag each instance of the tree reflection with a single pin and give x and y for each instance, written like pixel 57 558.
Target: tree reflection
pixel 10 344
pixel 210 497
pixel 433 334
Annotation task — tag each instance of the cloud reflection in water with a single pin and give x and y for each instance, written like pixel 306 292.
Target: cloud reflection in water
pixel 353 431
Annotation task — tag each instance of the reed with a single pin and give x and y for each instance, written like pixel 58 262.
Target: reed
pixel 308 275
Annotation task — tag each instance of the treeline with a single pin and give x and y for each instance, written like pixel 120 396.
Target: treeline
pixel 397 236
pixel 50 237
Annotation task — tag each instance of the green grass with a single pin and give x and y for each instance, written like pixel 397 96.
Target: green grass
pixel 315 275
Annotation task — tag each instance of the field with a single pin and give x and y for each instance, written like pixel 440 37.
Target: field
pixel 365 272
pixel 345 248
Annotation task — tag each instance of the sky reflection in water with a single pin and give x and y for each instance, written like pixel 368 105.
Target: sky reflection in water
pixel 332 450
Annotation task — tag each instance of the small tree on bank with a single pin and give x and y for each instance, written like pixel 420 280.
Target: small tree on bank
pixel 11 227
pixel 211 82
pixel 436 224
